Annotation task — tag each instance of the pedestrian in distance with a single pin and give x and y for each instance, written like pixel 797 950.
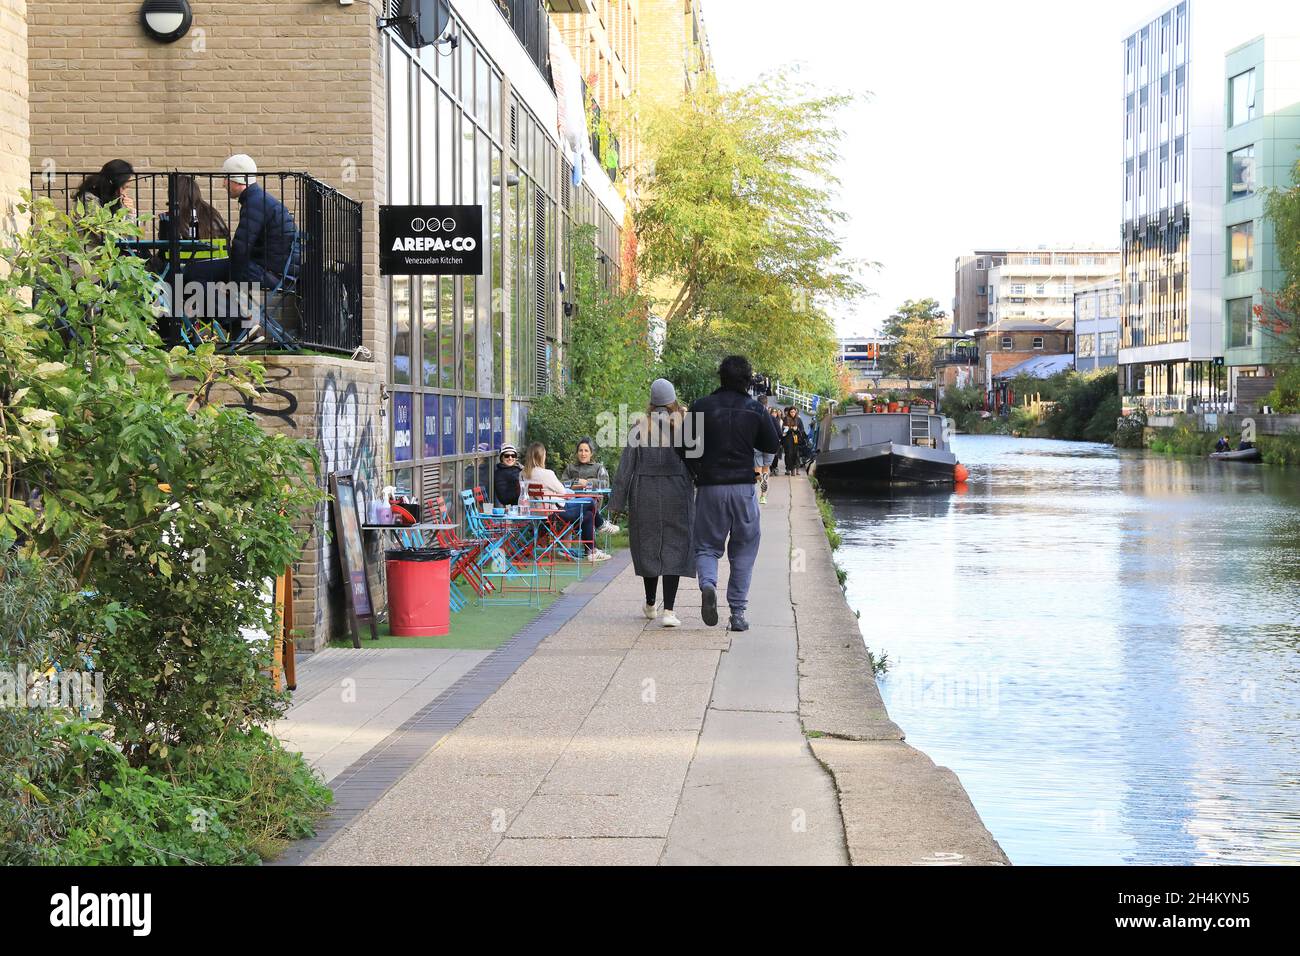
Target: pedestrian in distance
pixel 726 498
pixel 653 486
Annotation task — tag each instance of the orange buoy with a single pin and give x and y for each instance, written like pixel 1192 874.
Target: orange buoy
pixel 959 472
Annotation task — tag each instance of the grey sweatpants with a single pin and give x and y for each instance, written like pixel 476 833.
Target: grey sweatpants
pixel 723 511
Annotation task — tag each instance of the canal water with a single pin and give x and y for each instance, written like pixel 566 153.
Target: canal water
pixel 1103 644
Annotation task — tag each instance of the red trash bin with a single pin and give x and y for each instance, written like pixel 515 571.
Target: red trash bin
pixel 419 592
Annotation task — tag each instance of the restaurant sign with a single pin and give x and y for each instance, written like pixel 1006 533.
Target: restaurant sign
pixel 431 240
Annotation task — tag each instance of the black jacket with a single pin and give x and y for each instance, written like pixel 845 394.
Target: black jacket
pixel 260 250
pixel 734 427
pixel 505 484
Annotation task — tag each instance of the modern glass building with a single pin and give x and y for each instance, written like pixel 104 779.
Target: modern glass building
pixel 1174 236
pixel 476 123
pixel 1261 147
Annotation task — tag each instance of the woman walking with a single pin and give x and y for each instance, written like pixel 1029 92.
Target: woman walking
pixel 793 439
pixel 654 487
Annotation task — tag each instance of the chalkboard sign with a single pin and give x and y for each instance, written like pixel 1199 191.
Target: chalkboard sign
pixel 352 556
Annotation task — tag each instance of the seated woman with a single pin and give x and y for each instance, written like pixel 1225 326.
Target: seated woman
pixel 505 478
pixel 586 472
pixel 582 509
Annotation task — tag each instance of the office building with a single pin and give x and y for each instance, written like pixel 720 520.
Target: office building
pixel 1032 284
pixel 1096 326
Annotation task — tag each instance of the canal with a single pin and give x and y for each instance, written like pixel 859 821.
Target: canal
pixel 1103 644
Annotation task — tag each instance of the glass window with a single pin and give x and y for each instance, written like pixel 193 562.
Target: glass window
pixel 1241 98
pixel 1240 322
pixel 1038 341
pixel 427 141
pixel 446 151
pixel 401 299
pixel 429 326
pixel 449 426
pixel 468 363
pixel 447 331
pixel 1241 172
pixel 482 90
pixel 399 126
pixel 432 426
pixel 1006 343
pixel 1086 345
pixel 1241 247
pixel 1109 343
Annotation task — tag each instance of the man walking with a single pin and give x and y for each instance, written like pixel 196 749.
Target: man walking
pixel 726 501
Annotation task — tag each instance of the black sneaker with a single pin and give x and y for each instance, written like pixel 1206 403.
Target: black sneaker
pixel 738 623
pixel 709 606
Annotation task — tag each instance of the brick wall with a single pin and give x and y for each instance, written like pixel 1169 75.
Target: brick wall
pixel 297 85
pixel 13 109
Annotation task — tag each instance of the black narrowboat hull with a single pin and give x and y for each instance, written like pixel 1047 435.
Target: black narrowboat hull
pixel 886 463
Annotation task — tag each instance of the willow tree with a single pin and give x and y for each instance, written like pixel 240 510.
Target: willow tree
pixel 739 220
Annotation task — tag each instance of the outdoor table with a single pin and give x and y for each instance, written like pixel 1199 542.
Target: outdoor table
pixel 521 537
pixel 162 245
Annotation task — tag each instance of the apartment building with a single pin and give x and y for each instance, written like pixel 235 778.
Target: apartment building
pixel 1031 284
pixel 1260 149
pixel 444 367
pixel 1176 182
pixel 1096 326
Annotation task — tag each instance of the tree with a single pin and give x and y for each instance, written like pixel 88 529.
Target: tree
pixel 740 219
pixel 914 330
pixel 1280 313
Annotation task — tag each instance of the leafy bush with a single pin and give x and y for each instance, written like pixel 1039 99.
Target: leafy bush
pixel 1183 439
pixel 1285 397
pixel 1279 449
pixel 1131 429
pixel 184 506
pixel 1087 406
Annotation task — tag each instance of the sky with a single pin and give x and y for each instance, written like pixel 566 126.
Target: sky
pixel 977 124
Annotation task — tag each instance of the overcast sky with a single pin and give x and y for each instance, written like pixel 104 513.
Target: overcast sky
pixel 988 123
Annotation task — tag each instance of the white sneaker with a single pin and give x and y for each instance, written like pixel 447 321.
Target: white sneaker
pixel 671 620
pixel 609 528
pixel 650 611
pixel 598 555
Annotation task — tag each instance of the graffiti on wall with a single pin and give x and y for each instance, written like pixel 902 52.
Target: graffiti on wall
pixel 270 400
pixel 347 438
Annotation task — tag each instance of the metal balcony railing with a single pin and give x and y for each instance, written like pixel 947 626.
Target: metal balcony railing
pixel 532 25
pixel 306 261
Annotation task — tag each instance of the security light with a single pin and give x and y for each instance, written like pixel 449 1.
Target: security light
pixel 166 20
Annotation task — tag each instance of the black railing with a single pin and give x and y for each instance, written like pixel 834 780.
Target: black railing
pixel 532 25
pixel 961 355
pixel 305 261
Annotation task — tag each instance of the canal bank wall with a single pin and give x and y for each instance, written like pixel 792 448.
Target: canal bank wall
pixel 898 806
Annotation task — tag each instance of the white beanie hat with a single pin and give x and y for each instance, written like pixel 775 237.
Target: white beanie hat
pixel 240 168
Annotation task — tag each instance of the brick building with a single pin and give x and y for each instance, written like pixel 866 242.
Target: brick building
pixel 1012 341
pixel 317 87
pixel 14 130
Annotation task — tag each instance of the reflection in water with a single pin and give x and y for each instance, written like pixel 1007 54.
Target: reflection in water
pixel 1102 644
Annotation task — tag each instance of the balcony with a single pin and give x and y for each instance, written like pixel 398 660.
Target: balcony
pixel 957 355
pixel 532 25
pixel 303 287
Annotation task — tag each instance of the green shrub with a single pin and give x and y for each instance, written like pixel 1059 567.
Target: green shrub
pixel 1284 399
pixel 1279 449
pixel 1183 439
pixel 1131 429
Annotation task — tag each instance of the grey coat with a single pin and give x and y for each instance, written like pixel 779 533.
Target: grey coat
pixel 654 487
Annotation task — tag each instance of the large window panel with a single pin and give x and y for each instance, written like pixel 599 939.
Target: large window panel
pixel 401 304
pixel 1241 172
pixel 447 331
pixel 1240 323
pixel 1241 98
pixel 1241 247
pixel 427 141
pixel 447 142
pixel 399 126
pixel 430 330
pixel 483 283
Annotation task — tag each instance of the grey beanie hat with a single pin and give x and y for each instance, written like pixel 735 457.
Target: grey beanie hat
pixel 662 392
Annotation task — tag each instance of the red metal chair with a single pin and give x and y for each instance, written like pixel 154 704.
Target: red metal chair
pixel 466 563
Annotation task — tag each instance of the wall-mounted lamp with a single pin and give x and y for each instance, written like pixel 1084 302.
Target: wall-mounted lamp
pixel 166 20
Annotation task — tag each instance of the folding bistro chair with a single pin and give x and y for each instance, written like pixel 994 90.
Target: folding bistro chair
pixel 464 565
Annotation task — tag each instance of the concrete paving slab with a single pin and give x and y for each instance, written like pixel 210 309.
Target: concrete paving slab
pixel 618 851
pixel 755 796
pixel 901 810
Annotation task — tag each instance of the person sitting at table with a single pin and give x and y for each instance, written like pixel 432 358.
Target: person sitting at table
pixel 505 478
pixel 586 472
pixel 195 219
pixel 107 187
pixel 263 240
pixel 580 509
